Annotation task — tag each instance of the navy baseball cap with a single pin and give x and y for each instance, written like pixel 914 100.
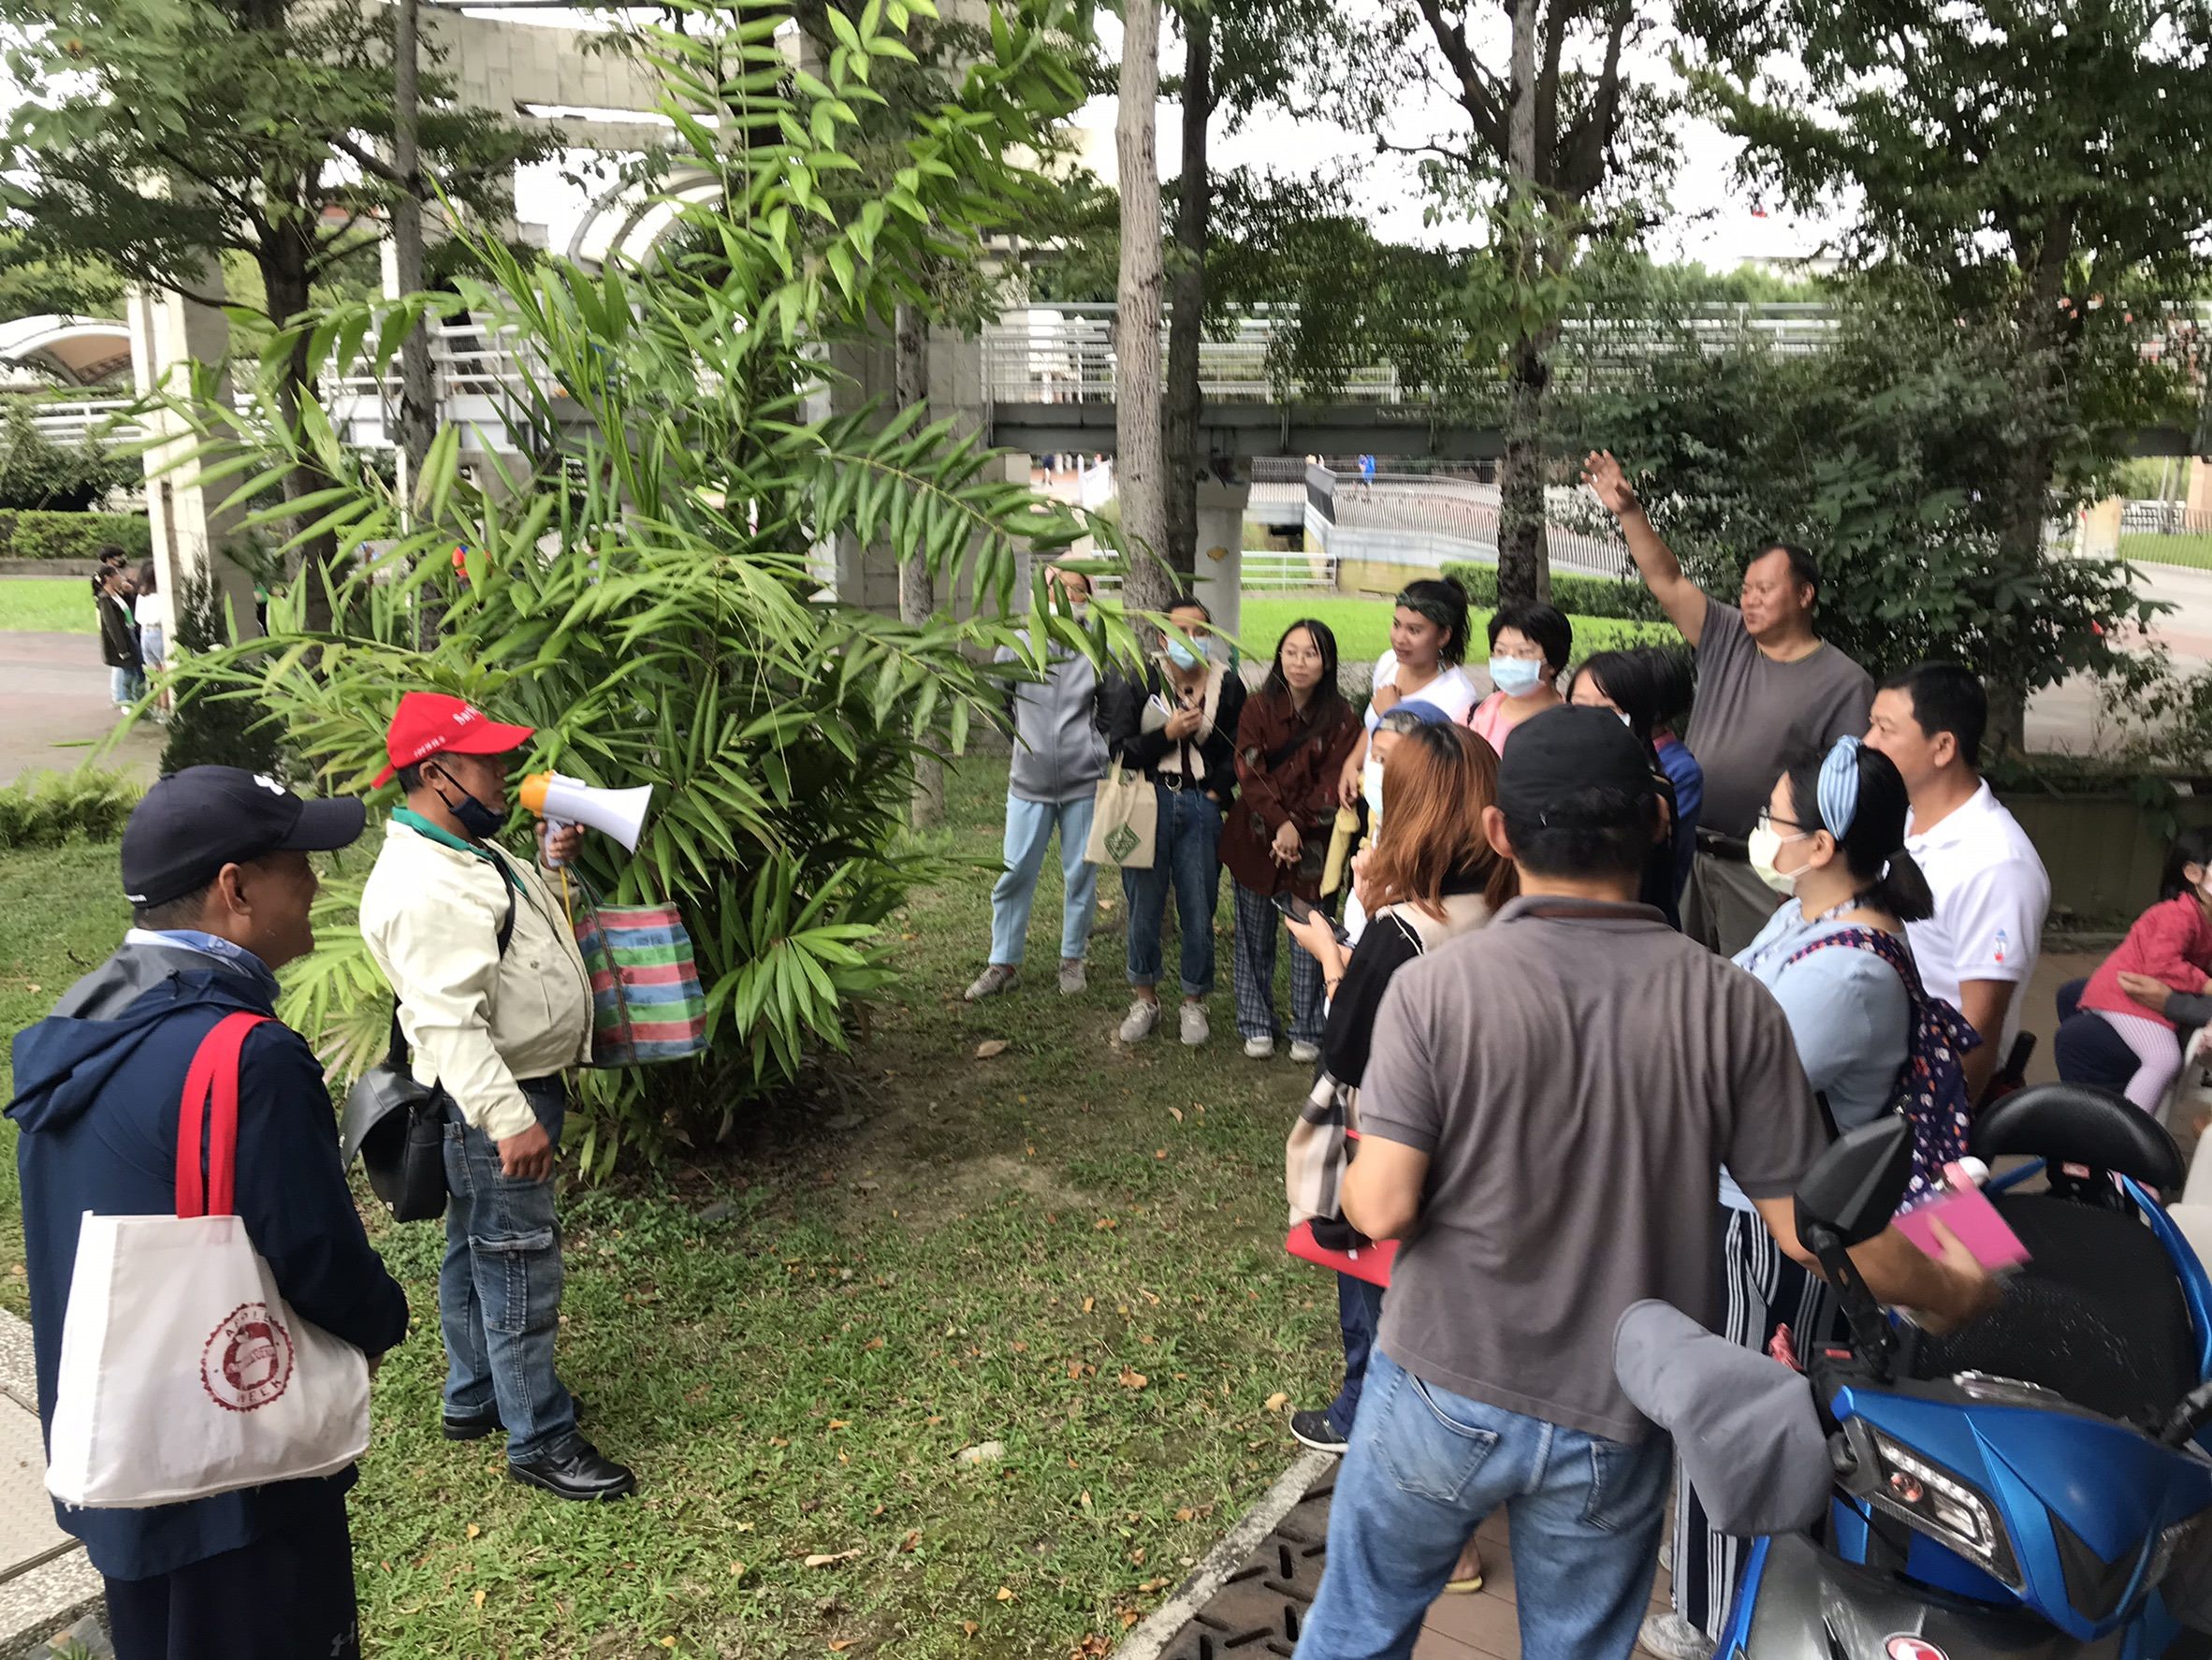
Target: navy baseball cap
pixel 193 823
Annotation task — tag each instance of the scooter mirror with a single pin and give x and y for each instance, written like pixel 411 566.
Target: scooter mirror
pixel 1858 1184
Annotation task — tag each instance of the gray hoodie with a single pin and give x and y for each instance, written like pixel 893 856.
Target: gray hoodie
pixel 1058 754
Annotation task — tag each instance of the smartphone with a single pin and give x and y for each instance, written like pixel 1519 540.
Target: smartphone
pixel 1297 909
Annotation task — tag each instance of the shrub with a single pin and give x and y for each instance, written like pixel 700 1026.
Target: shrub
pixel 31 534
pixel 213 725
pixel 45 810
pixel 1578 596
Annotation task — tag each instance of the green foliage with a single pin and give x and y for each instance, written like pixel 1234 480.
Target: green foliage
pixel 213 725
pixel 38 473
pixel 1578 596
pixel 643 592
pixel 48 808
pixel 29 534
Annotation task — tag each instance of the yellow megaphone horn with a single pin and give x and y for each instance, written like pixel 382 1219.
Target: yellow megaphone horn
pixel 557 800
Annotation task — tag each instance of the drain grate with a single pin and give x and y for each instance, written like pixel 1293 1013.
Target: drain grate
pixel 1261 1608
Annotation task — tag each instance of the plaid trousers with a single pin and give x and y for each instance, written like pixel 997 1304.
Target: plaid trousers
pixel 1259 924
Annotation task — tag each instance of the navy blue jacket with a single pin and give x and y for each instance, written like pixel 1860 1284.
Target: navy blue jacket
pixel 99 1081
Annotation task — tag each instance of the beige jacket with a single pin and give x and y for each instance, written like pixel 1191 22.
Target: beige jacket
pixel 477 1022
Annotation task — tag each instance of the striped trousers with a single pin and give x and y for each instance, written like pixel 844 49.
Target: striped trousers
pixel 1761 1288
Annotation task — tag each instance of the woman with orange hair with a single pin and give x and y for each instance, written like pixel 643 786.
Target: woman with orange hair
pixel 1431 877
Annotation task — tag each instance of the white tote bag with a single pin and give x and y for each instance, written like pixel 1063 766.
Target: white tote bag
pixel 184 1372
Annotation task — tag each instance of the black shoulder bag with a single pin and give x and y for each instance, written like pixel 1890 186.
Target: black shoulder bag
pixel 398 1126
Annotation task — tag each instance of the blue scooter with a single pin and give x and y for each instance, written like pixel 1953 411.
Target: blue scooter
pixel 2037 1485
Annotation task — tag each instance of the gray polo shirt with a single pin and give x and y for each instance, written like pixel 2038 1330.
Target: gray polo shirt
pixel 1577 1074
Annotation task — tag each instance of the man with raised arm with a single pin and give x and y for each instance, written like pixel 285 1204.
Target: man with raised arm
pixel 1770 690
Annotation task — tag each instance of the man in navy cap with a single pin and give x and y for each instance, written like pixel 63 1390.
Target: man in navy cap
pixel 215 866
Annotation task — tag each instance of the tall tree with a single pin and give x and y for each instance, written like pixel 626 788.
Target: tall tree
pixel 161 135
pixel 1137 435
pixel 1559 138
pixel 2044 162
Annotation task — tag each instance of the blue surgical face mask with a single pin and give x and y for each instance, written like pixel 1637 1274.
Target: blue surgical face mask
pixel 1515 676
pixel 1185 657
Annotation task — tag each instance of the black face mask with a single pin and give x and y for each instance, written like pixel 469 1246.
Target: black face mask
pixel 478 823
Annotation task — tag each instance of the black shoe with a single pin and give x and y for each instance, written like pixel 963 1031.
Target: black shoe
pixel 577 1471
pixel 1318 1431
pixel 475 1429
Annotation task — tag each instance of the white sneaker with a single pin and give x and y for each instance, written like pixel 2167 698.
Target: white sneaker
pixel 1672 1637
pixel 1142 1021
pixel 1306 1053
pixel 1260 1048
pixel 1195 1030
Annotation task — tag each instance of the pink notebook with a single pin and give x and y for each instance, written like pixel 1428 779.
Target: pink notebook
pixel 1967 1212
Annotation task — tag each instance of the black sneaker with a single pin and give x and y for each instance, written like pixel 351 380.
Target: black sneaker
pixel 475 1429
pixel 1318 1431
pixel 577 1471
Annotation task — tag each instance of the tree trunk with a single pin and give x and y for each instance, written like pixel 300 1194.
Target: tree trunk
pixel 1524 564
pixel 284 283
pixel 910 384
pixel 418 413
pixel 1179 423
pixel 1136 316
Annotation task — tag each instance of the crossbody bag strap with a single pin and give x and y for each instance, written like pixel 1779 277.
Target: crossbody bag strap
pixel 209 1110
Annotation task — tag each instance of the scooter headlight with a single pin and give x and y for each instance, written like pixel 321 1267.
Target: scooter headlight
pixel 1931 1499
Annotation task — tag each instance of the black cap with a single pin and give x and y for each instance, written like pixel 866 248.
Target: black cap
pixel 193 823
pixel 1566 750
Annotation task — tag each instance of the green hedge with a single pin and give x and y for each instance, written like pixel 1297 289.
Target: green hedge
pixel 33 534
pixel 1578 596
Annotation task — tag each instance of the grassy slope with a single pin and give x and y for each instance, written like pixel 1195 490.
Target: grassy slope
pixel 1068 1249
pixel 47 604
pixel 1362 627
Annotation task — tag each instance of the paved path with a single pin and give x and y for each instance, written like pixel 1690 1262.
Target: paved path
pixel 54 708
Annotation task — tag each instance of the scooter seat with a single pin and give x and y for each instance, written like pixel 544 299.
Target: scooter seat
pixel 2096 1313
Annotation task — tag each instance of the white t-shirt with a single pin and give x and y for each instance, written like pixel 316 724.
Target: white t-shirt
pixel 1992 895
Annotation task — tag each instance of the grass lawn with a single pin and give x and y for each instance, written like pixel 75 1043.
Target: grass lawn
pixel 47 605
pixel 1363 626
pixel 2168 550
pixel 1065 1248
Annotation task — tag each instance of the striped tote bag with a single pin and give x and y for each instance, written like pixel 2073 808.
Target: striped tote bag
pixel 647 1002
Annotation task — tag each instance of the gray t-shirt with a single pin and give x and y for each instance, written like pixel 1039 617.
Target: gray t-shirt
pixel 1755 716
pixel 1577 1074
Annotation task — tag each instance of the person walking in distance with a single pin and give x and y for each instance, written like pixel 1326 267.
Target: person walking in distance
pixel 1769 690
pixel 496 1003
pixel 1058 758
pixel 215 866
pixel 1991 892
pixel 1566 1179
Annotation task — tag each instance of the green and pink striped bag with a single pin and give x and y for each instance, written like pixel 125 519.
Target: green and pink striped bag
pixel 647 1002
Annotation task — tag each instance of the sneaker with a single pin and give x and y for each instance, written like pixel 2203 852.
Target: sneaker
pixel 1260 1048
pixel 1142 1021
pixel 1075 976
pixel 1194 1027
pixel 1672 1637
pixel 1306 1053
pixel 1318 1431
pixel 990 983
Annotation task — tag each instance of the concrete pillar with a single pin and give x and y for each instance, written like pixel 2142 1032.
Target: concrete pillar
pixel 169 334
pixel 1221 552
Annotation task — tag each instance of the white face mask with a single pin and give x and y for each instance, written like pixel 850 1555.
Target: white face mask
pixel 1765 843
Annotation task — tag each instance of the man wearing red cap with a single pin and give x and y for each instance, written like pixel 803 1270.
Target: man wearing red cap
pixel 495 1003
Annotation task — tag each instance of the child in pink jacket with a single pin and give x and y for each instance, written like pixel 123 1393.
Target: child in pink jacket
pixel 2171 943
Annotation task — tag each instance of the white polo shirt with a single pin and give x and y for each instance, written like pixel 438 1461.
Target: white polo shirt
pixel 1992 895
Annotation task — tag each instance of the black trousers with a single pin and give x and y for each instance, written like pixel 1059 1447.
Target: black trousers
pixel 289 1597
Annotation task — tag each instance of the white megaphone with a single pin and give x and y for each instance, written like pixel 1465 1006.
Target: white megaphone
pixel 559 800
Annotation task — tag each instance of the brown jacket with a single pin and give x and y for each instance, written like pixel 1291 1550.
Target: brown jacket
pixel 1288 765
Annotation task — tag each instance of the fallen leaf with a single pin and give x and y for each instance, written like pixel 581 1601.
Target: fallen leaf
pixel 821 1560
pixel 478 1599
pixel 1277 1401
pixel 991 1046
pixel 1004 1594
pixel 474 1529
pixel 1133 1379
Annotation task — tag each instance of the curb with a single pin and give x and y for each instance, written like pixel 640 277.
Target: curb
pixel 1148 1639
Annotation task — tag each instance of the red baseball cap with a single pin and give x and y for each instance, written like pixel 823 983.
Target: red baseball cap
pixel 428 722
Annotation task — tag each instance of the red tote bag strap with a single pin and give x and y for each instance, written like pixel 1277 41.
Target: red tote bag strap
pixel 212 1077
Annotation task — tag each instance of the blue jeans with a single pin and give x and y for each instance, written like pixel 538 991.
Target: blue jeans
pixel 1359 1315
pixel 1426 1466
pixel 1186 855
pixel 1029 826
pixel 499 1289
